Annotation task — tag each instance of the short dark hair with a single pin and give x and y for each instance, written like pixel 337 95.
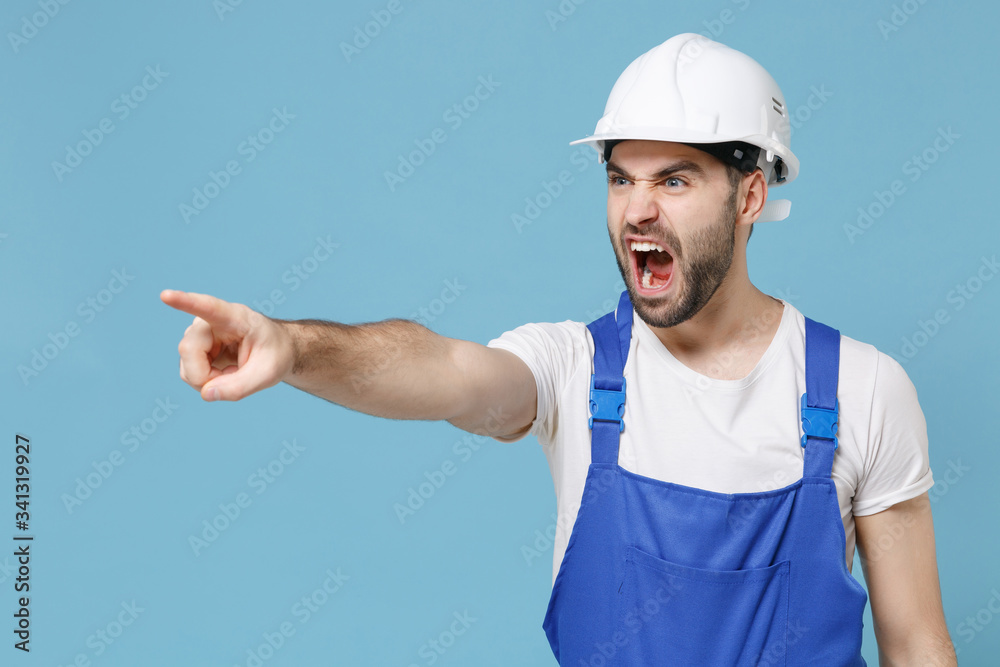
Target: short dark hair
pixel 735 176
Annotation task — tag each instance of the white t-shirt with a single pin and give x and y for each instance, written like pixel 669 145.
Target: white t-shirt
pixel 727 436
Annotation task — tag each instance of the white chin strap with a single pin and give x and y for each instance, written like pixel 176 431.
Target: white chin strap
pixel 774 210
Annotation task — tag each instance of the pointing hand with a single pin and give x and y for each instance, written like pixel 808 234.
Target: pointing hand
pixel 230 351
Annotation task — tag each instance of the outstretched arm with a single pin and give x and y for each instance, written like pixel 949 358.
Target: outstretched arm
pixel 395 368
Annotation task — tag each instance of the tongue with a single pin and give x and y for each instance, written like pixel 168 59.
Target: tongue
pixel 660 264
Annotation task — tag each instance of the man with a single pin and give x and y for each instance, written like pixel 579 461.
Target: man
pixel 717 456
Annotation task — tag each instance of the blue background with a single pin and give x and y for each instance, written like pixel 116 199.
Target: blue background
pixel 323 177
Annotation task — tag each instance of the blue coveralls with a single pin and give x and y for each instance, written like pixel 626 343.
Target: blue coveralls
pixel 657 573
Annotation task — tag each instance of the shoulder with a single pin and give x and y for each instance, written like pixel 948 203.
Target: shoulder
pixel 867 365
pixel 567 331
pixel 876 388
pixel 872 386
pixel 552 350
pixel 860 361
pixel 863 367
pixel 555 337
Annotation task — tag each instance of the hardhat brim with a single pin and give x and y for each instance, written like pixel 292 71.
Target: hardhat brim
pixel 685 136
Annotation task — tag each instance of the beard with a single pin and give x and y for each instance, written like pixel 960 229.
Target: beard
pixel 702 262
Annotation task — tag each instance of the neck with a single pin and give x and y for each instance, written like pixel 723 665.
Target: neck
pixel 730 334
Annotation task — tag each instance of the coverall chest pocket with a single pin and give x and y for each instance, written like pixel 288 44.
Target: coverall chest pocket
pixel 671 614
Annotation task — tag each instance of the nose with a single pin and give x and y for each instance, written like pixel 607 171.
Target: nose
pixel 641 206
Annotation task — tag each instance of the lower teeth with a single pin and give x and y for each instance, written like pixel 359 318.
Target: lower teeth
pixel 647 276
pixel 647 279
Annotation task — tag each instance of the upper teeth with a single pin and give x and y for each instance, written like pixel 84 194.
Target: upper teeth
pixel 646 246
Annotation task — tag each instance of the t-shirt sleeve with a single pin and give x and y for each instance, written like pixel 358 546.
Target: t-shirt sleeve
pixel 552 352
pixel 897 465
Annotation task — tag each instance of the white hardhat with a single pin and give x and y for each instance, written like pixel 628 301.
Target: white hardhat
pixel 692 90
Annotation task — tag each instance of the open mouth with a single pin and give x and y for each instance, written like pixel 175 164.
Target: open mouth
pixel 653 266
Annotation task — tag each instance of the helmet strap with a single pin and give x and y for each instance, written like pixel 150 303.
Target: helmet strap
pixel 780 169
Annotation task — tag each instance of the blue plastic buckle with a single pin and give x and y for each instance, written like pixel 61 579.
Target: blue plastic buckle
pixel 607 405
pixel 819 422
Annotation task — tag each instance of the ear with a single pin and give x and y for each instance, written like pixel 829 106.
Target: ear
pixel 753 195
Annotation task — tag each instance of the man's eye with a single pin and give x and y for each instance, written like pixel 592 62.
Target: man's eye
pixel 677 181
pixel 613 180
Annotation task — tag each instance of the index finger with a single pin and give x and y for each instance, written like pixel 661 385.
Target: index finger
pixel 209 308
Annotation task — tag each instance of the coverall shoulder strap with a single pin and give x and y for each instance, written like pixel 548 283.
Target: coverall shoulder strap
pixel 612 335
pixel 819 406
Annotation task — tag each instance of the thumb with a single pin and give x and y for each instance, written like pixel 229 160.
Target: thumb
pixel 235 383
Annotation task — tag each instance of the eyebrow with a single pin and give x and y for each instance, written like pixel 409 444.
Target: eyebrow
pixel 669 170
